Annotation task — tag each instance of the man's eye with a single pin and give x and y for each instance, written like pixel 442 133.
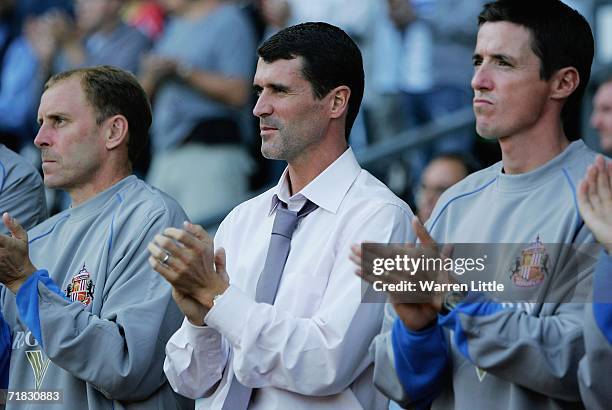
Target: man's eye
pixel 60 121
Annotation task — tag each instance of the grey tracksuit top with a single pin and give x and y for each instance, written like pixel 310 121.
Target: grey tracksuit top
pixel 483 354
pixel 94 320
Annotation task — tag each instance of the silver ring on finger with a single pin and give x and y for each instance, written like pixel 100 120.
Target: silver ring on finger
pixel 166 258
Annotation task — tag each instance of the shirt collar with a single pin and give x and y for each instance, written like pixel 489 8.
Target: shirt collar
pixel 327 190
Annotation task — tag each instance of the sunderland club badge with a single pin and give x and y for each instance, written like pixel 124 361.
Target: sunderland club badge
pixel 531 267
pixel 81 288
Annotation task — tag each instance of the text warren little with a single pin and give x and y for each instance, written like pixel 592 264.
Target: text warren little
pixel 433 286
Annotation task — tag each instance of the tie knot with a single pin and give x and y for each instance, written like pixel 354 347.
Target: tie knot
pixel 286 221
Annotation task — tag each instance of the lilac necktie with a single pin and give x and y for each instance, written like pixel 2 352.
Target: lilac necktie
pixel 285 222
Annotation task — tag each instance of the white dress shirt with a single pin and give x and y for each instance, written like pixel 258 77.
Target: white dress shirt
pixel 310 349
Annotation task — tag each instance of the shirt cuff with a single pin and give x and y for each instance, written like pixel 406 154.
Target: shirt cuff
pixel 27 300
pixel 189 341
pixel 194 335
pixel 223 315
pixel 602 279
pixel 602 295
pixel 195 359
pixel 421 360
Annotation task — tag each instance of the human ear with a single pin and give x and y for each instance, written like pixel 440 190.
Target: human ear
pixel 339 103
pixel 564 82
pixel 116 131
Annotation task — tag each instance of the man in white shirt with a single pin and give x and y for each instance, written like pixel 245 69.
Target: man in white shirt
pixel 244 344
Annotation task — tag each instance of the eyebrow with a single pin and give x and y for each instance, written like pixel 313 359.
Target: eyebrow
pixel 52 116
pixel 498 57
pixel 504 57
pixel 274 86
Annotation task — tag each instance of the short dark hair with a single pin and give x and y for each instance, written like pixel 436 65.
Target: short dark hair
pixel 561 37
pixel 331 59
pixel 112 91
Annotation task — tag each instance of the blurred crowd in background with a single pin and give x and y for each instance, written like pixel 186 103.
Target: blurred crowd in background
pixel 196 59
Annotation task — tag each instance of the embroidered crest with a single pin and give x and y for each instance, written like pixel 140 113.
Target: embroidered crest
pixel 531 267
pixel 39 364
pixel 81 288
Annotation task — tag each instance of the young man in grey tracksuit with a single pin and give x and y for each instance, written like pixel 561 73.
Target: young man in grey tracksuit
pixel 530 74
pixel 84 314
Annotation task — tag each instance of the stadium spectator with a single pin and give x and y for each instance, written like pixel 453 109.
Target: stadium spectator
pixel 147 15
pixel 51 42
pixel 97 36
pixel 20 82
pixel 275 14
pixel 437 44
pixel 601 118
pixel 440 174
pixel 9 25
pixel 200 90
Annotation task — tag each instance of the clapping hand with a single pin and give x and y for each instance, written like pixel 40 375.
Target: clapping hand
pixel 595 201
pixel 15 264
pixel 415 316
pixel 185 258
